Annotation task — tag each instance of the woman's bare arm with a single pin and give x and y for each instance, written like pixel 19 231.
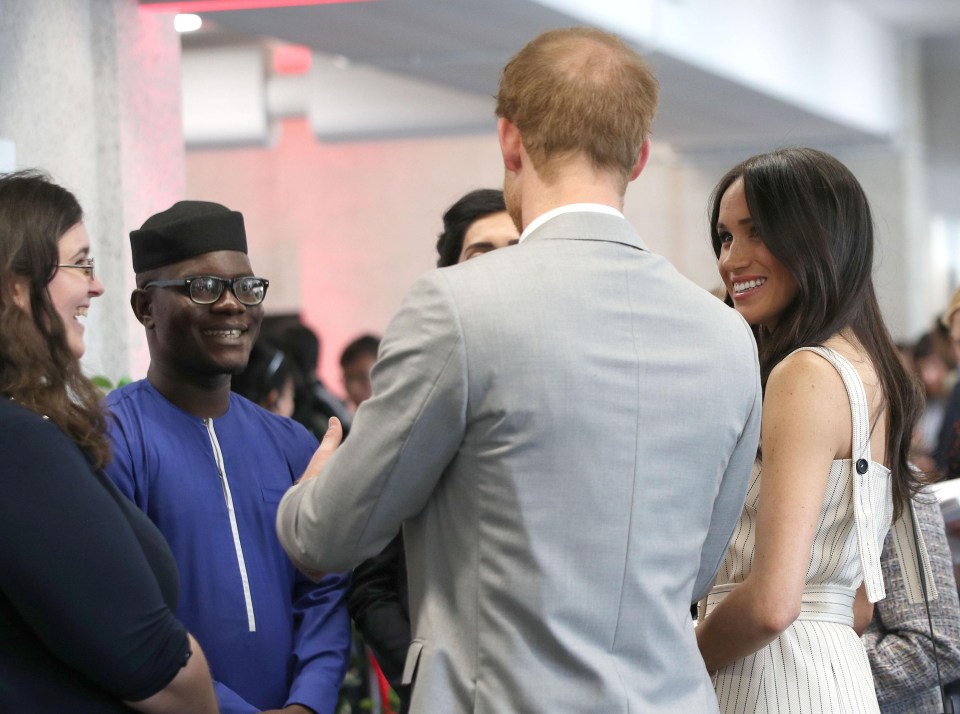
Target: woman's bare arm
pixel 806 420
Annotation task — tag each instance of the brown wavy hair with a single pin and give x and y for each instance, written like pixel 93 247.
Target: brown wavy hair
pixel 579 90
pixel 37 368
pixel 814 217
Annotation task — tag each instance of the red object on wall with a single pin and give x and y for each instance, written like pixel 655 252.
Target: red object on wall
pixel 291 59
pixel 224 5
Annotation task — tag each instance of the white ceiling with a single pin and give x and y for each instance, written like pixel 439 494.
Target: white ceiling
pixel 463 44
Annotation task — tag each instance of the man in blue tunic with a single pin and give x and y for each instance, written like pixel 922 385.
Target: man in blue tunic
pixel 210 467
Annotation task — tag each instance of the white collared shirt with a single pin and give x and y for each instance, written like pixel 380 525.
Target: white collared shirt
pixel 569 208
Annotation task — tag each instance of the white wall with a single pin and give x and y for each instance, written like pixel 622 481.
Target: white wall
pixel 826 56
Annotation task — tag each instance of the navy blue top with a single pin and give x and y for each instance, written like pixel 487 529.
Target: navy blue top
pixel 87 584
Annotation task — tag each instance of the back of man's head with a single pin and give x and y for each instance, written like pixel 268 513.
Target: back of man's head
pixel 579 91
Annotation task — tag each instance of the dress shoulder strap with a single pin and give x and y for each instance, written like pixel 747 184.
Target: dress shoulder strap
pixel 871 488
pixel 859 409
pixel 911 549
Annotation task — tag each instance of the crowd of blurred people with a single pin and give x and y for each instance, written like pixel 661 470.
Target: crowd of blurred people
pixel 933 359
pixel 200 541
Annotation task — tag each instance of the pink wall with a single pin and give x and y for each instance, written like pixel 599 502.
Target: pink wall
pixel 342 230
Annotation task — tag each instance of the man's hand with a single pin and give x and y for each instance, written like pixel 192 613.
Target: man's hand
pixel 331 441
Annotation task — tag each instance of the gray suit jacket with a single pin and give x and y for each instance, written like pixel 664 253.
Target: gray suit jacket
pixel 565 428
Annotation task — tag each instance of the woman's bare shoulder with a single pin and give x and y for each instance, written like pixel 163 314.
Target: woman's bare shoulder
pixel 805 398
pixel 804 369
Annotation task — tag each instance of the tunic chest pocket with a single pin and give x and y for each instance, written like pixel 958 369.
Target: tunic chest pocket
pixel 272 494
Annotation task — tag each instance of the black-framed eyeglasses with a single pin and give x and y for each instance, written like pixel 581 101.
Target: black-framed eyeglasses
pixel 207 289
pixel 86 267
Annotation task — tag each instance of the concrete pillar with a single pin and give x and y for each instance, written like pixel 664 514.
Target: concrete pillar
pixel 895 179
pixel 90 93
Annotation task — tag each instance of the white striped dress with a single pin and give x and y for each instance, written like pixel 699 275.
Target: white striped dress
pixel 817 665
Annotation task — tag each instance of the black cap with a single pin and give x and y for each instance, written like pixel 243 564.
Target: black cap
pixel 186 229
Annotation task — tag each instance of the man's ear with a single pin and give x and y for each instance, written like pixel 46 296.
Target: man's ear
pixel 641 159
pixel 510 144
pixel 140 303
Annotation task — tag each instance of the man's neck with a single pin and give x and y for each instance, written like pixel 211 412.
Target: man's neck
pixel 206 397
pixel 575 182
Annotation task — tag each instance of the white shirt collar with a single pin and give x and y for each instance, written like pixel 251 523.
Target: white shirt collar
pixel 569 208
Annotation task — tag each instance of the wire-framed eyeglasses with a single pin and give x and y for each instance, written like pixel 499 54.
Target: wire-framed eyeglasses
pixel 207 289
pixel 86 267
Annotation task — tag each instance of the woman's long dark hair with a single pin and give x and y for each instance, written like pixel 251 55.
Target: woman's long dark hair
pixel 814 217
pixel 37 368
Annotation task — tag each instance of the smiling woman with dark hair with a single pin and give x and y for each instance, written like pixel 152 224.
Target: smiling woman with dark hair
pixel 793 235
pixel 89 585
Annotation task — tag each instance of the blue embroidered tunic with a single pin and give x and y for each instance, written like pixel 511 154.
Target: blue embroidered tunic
pixel 212 487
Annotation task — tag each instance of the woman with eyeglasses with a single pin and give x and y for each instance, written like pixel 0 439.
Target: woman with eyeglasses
pixel 89 585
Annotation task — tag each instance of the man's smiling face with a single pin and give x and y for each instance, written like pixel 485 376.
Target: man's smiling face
pixel 208 340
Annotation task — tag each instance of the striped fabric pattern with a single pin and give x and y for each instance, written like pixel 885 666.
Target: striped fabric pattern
pixel 817 665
